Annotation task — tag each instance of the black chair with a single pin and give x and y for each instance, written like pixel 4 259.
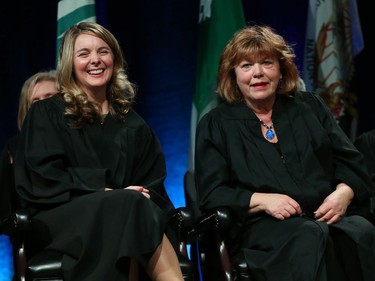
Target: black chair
pixel 208 248
pixel 32 264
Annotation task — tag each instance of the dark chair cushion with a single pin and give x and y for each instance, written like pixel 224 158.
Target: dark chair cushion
pixel 45 265
pixel 240 270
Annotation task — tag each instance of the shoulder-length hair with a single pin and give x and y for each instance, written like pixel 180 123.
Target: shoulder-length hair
pixel 27 90
pixel 253 42
pixel 120 91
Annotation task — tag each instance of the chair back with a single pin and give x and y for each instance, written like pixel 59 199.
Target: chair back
pixel 190 192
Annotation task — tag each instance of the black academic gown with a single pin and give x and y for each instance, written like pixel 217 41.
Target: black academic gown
pixel 62 173
pixel 233 160
pixel 366 145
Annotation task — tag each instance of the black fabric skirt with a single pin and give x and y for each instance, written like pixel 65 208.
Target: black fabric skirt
pixel 301 248
pixel 99 232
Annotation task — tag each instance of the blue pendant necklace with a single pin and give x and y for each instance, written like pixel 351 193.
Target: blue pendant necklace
pixel 269 133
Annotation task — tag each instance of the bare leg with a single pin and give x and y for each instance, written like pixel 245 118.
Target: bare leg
pixel 164 265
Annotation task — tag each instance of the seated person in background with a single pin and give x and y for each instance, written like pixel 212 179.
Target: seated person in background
pixel 277 158
pixel 365 143
pixel 37 87
pixel 94 171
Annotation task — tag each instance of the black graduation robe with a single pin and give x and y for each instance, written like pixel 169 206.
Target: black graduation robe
pixel 233 160
pixel 62 173
pixel 366 145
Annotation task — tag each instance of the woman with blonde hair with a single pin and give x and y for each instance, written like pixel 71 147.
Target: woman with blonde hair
pixel 94 170
pixel 39 86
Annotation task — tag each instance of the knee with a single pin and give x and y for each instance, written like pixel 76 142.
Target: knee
pixel 313 233
pixel 365 230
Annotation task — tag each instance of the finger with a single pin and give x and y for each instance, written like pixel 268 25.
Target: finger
pixel 279 216
pixel 319 214
pixel 146 195
pixel 334 219
pixel 291 210
pixel 328 216
pixel 285 213
pixel 134 187
pixel 322 210
pixel 295 206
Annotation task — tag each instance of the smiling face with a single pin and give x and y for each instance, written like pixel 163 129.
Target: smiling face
pixel 92 63
pixel 258 79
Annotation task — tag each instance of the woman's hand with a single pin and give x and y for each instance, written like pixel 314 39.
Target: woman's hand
pixel 280 206
pixel 144 191
pixel 334 206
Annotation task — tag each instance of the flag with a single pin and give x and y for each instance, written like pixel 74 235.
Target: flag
pixel 218 21
pixel 333 39
pixel 70 12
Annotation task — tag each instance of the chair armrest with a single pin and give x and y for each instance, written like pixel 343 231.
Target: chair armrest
pixel 17 223
pixel 218 218
pixel 22 219
pixel 181 218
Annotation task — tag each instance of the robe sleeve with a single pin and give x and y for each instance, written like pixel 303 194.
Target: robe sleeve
pixel 348 163
pixel 366 145
pixel 150 166
pixel 212 170
pixel 44 167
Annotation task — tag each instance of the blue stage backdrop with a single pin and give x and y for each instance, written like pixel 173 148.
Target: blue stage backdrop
pixel 158 38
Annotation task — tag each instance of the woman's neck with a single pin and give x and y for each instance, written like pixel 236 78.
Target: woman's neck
pixel 101 99
pixel 263 110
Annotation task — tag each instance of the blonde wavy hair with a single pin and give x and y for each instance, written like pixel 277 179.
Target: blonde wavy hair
pixel 249 43
pixel 120 91
pixel 27 90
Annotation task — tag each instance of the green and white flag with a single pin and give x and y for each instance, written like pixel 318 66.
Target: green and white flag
pixel 70 12
pixel 218 21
